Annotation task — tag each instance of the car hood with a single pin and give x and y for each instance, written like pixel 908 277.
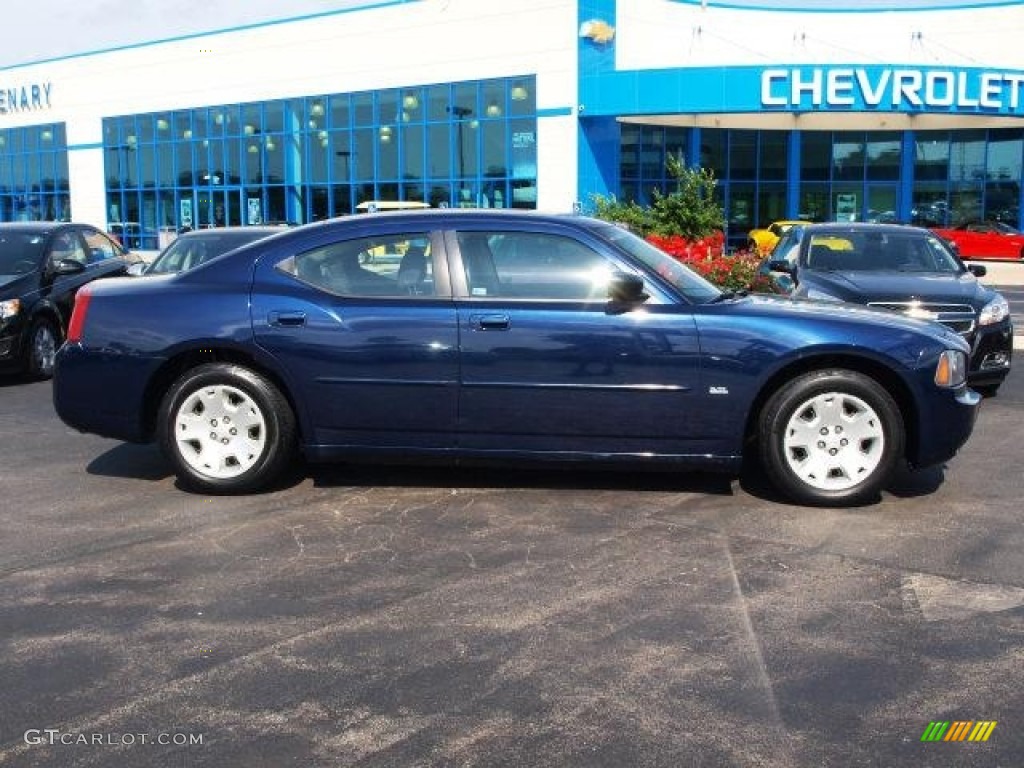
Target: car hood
pixel 14 286
pixel 864 287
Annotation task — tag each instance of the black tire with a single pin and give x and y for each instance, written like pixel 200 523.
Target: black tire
pixel 41 348
pixel 222 404
pixel 987 390
pixel 831 438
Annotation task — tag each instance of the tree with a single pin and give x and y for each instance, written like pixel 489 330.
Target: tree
pixel 690 211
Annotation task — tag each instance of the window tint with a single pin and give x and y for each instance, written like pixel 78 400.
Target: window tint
pixel 532 265
pixel 396 265
pixel 19 252
pixel 100 246
pixel 66 245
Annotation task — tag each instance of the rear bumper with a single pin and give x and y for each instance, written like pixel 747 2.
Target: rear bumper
pixel 101 393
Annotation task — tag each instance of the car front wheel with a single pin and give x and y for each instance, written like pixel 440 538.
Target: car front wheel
pixel 831 437
pixel 226 429
pixel 41 349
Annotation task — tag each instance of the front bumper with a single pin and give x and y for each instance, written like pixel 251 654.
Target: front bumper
pixel 991 354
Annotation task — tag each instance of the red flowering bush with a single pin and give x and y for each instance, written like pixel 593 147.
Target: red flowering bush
pixel 707 258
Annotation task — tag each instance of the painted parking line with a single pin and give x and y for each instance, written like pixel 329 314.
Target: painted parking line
pixel 1018 341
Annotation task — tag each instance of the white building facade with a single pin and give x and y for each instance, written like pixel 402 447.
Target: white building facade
pixel 877 109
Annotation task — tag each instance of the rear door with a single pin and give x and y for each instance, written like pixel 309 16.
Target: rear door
pixel 365 328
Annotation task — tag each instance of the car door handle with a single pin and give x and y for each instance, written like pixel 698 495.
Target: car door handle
pixel 490 322
pixel 286 318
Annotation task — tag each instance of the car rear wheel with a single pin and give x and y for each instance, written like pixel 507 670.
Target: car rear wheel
pixel 831 437
pixel 226 429
pixel 41 349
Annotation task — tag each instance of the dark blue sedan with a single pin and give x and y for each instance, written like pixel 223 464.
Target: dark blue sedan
pixel 502 336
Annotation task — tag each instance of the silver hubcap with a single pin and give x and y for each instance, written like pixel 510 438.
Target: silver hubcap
pixel 834 441
pixel 220 431
pixel 44 348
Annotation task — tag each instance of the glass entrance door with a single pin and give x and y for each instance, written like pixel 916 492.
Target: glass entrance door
pixel 883 203
pixel 218 207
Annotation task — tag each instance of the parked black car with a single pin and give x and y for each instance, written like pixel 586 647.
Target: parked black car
pixel 904 269
pixel 42 265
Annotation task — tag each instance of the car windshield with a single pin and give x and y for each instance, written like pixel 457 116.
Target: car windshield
pixel 19 252
pixel 1004 228
pixel 694 287
pixel 190 251
pixel 839 250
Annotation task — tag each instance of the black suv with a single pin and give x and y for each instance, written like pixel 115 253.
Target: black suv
pixel 903 269
pixel 42 265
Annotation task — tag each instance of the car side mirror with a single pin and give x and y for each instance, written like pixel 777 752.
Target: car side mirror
pixel 626 288
pixel 978 270
pixel 137 268
pixel 68 267
pixel 780 265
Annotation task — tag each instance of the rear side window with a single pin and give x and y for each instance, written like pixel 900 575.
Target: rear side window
pixel 391 266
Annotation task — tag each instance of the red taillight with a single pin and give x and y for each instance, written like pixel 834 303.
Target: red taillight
pixel 77 324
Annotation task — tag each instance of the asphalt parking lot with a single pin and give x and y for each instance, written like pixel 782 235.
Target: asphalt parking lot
pixel 390 616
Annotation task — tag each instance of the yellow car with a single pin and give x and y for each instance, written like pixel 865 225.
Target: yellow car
pixel 763 240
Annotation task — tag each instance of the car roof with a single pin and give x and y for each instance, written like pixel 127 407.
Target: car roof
pixel 255 229
pixel 38 226
pixel 863 226
pixel 441 217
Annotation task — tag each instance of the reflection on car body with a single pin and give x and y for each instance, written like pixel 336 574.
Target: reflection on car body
pixel 503 336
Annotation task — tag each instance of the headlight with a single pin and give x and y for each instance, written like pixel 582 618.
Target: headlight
pixel 951 370
pixel 814 293
pixel 9 308
pixel 994 311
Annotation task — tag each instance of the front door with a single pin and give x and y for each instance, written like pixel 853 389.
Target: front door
pixel 549 365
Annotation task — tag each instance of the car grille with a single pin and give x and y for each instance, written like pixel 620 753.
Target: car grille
pixel 958 317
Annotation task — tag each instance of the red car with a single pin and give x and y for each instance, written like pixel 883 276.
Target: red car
pixel 985 240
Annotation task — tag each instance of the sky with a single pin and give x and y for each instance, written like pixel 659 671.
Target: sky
pixel 34 30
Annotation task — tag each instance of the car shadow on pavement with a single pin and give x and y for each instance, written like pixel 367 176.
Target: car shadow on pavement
pixel 129 460
pixel 570 476
pixel 905 483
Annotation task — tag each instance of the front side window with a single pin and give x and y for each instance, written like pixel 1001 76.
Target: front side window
pixel 386 266
pixel 533 265
pixel 100 246
pixel 66 245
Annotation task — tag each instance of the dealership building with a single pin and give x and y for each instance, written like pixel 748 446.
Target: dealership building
pixel 844 109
